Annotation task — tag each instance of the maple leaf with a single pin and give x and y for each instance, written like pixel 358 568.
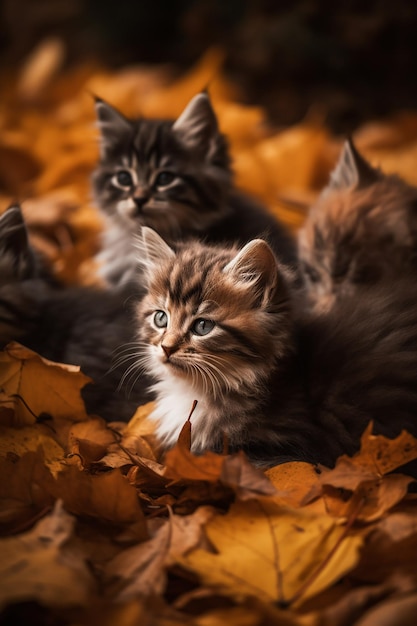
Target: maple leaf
pixel 362 483
pixel 273 552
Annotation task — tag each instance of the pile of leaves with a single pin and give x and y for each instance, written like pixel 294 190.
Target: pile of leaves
pixel 97 527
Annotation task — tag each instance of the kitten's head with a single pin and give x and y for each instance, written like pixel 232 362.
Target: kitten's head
pixel 217 319
pixel 17 259
pixel 362 227
pixel 173 176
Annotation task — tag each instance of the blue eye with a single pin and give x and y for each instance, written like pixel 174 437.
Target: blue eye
pixel 202 327
pixel 164 179
pixel 124 178
pixel 160 319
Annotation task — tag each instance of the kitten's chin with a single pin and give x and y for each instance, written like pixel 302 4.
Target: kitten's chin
pixel 127 209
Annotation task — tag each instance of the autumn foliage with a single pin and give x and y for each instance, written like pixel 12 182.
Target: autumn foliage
pixel 97 527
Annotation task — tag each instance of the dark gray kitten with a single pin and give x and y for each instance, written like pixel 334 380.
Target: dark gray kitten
pixel 175 177
pixel 80 326
pixel 222 327
pixel 362 229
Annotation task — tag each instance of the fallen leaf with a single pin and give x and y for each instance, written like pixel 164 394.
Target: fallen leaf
pixel 54 397
pixel 37 565
pixel 140 570
pixel 364 481
pixel 275 553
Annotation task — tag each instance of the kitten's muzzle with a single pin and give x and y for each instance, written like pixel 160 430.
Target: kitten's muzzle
pixel 140 201
pixel 169 350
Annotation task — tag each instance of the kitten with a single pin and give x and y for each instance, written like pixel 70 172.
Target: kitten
pixel 223 328
pixel 81 326
pixel 362 229
pixel 175 177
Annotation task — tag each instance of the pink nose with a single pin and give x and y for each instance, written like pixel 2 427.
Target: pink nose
pixel 169 350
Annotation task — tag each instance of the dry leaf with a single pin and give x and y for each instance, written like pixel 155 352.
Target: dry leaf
pixel 275 553
pixel 38 566
pixel 141 569
pixel 361 483
pixel 50 391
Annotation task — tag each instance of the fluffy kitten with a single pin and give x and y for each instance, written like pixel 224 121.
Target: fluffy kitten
pixel 81 326
pixel 363 229
pixel 175 177
pixel 222 328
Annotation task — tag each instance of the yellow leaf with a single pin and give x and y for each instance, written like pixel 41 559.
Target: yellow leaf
pixel 49 390
pixel 275 553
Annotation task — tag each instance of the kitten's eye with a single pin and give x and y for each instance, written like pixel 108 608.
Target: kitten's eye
pixel 160 319
pixel 124 178
pixel 202 327
pixel 164 179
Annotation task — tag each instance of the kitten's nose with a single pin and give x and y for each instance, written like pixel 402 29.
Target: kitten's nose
pixel 140 201
pixel 169 350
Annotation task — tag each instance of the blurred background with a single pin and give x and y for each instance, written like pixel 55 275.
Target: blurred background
pixel 355 59
pixel 289 80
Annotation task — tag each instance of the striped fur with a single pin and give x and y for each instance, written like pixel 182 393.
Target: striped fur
pixel 197 197
pixel 363 229
pixel 277 381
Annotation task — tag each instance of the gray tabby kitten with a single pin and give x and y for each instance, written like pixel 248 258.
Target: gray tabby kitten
pixel 81 326
pixel 362 229
pixel 222 327
pixel 175 177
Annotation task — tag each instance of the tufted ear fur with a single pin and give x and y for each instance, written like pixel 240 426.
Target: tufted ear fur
pixel 352 170
pixel 154 250
pixel 113 126
pixel 197 126
pixel 255 266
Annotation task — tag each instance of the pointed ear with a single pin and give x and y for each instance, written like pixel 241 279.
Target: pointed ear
pixel 352 170
pixel 154 250
pixel 255 266
pixel 197 124
pixel 113 126
pixel 14 240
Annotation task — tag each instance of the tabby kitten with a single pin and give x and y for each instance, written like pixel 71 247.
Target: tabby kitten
pixel 81 326
pixel 362 229
pixel 222 327
pixel 175 177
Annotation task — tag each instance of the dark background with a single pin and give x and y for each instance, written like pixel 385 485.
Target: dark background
pixel 357 60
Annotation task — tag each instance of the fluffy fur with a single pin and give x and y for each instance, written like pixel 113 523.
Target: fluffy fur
pixel 82 326
pixel 175 177
pixel 223 328
pixel 362 230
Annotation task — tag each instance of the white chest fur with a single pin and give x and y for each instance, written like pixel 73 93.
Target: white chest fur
pixel 175 400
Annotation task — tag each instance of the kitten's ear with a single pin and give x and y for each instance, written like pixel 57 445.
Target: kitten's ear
pixel 255 266
pixel 197 124
pixel 154 250
pixel 352 170
pixel 14 239
pixel 113 126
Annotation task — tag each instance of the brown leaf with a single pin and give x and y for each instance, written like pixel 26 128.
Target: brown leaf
pixel 49 390
pixel 392 612
pixel 107 496
pixel 363 481
pixel 37 565
pixel 140 570
pixel 22 497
